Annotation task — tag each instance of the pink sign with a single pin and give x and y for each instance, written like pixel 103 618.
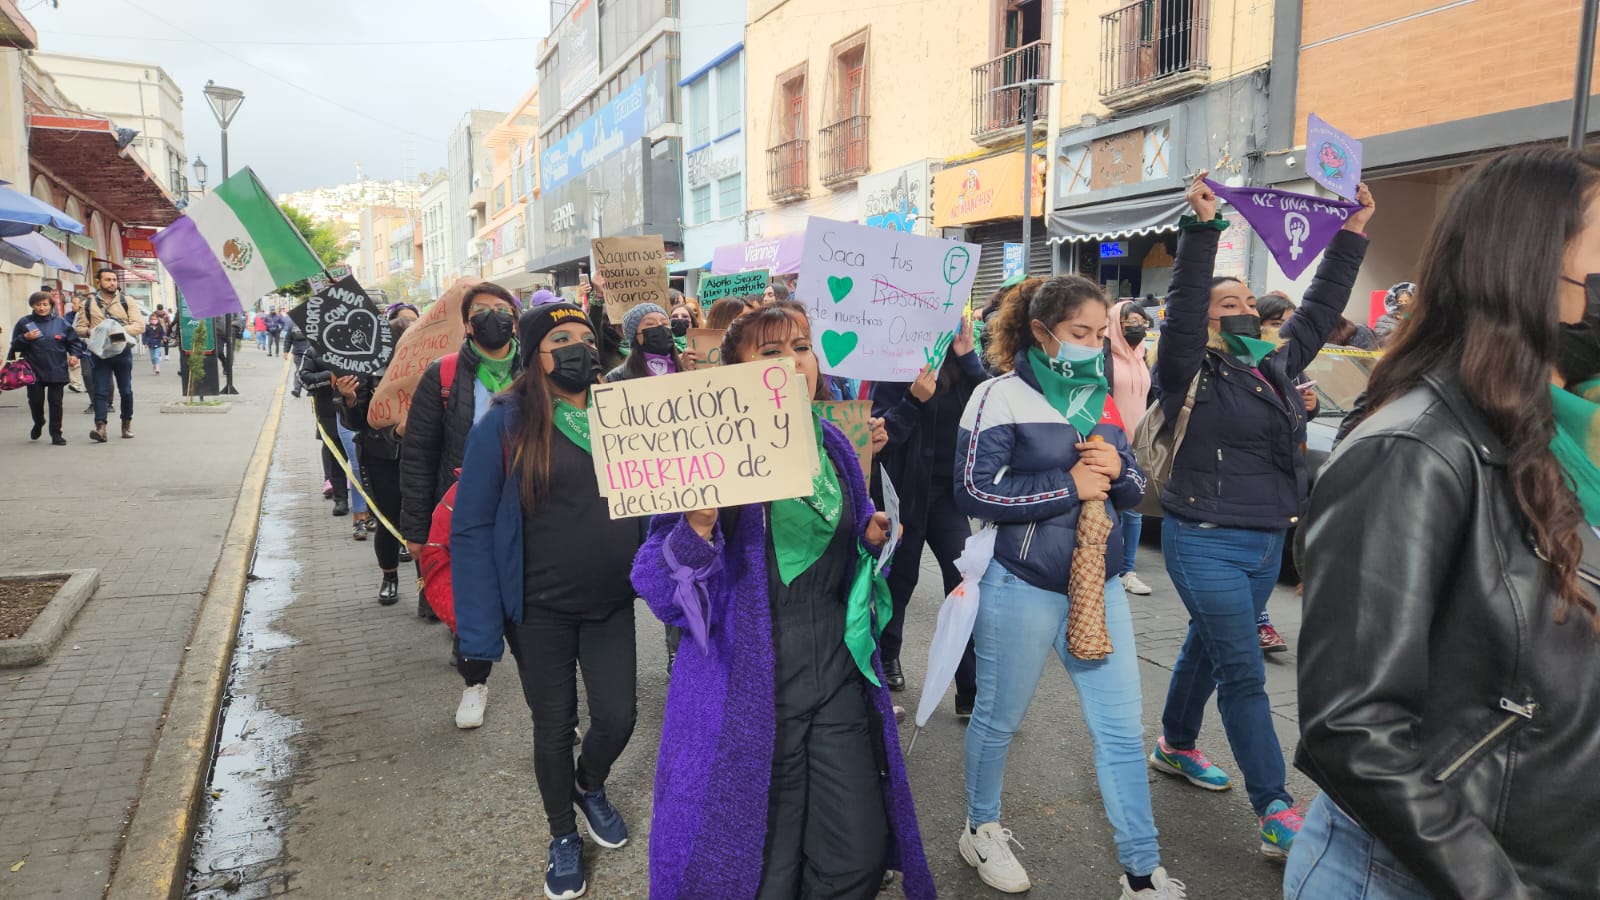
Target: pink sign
pixel 779 255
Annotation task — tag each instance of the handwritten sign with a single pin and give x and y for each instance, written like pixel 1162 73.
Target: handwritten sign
pixel 439 331
pixel 347 328
pixel 711 438
pixel 882 302
pixel 715 287
pixel 851 417
pixel 633 271
pixel 706 344
pixel 1333 158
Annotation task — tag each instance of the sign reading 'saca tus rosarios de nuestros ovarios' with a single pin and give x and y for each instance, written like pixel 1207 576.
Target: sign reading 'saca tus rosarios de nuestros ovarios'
pixel 346 327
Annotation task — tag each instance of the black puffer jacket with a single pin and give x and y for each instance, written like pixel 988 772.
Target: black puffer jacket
pixel 1441 704
pixel 373 443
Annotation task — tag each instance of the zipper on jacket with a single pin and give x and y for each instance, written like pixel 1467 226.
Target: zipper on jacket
pixel 1518 712
pixel 1027 541
pixel 1219 473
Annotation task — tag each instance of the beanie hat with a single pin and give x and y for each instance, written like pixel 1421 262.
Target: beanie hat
pixel 1391 300
pixel 393 309
pixel 630 322
pixel 541 297
pixel 541 320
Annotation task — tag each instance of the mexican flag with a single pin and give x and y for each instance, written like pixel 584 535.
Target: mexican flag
pixel 233 248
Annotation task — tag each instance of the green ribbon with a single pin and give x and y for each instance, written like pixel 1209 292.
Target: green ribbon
pixel 869 591
pixel 572 422
pixel 1250 351
pixel 1577 434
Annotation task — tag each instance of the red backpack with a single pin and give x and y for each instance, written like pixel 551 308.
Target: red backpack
pixel 434 561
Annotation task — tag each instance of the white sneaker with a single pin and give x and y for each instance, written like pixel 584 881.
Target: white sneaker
pixel 1162 888
pixel 1132 584
pixel 989 852
pixel 470 713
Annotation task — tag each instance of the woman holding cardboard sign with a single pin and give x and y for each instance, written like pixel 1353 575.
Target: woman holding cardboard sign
pixel 780 774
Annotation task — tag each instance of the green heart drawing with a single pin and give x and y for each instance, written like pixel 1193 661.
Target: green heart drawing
pixel 840 287
pixel 837 345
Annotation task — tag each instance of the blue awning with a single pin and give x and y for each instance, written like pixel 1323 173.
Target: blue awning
pixel 27 249
pixel 686 266
pixel 20 214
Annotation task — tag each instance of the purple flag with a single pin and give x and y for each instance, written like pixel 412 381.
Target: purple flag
pixel 1333 158
pixel 1295 227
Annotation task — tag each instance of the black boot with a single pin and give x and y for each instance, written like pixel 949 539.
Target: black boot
pixel 341 507
pixel 424 608
pixel 389 594
pixel 893 676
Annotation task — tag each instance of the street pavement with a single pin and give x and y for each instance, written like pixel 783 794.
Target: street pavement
pixel 77 731
pixel 353 781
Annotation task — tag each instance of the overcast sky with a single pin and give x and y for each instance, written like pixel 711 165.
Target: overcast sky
pixel 327 83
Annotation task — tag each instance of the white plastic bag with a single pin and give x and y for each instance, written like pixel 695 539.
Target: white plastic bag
pixel 954 629
pixel 108 339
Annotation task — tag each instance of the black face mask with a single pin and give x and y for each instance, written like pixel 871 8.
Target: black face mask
pixel 576 367
pixel 657 340
pixel 1578 345
pixel 680 327
pixel 492 330
pixel 1134 334
pixel 1244 326
pixel 398 327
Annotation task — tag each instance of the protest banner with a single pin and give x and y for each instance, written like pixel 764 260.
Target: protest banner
pixel 707 439
pixel 439 331
pixel 1295 227
pixel 851 417
pixel 633 270
pixel 715 287
pixel 1333 158
pixel 706 344
pixel 345 326
pixel 883 304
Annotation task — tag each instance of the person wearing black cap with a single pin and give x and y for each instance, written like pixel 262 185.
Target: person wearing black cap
pixel 539 564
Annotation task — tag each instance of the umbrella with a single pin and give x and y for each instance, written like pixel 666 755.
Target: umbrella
pixel 20 214
pixel 954 629
pixel 27 249
pixel 1086 586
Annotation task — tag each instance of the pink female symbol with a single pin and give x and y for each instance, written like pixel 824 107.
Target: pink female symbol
pixel 777 389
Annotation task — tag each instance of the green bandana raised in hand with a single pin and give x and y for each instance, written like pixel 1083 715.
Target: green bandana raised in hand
pixel 1076 390
pixel 572 422
pixel 496 373
pixel 1250 351
pixel 802 527
pixel 1577 443
pixel 868 590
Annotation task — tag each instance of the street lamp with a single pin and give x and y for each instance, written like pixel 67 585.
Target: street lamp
pixel 200 168
pixel 1029 88
pixel 225 103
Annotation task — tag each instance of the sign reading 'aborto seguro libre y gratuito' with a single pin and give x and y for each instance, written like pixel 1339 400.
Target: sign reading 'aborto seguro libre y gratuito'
pixel 706 439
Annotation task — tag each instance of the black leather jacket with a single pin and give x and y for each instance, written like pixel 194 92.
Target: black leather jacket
pixel 1442 706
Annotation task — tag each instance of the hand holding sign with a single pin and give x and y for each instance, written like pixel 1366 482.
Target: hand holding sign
pixel 1295 227
pixel 1201 198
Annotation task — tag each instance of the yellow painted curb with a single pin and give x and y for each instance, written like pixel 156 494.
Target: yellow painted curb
pixel 154 858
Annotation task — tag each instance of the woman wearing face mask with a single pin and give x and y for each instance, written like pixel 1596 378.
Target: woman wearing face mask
pixel 653 351
pixel 539 564
pixel 1238 482
pixel 1042 450
pixel 1130 387
pixel 685 315
pixel 1396 309
pixel 1449 680
pixel 453 393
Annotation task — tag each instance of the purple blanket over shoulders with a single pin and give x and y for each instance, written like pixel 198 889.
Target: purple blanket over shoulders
pixel 714 771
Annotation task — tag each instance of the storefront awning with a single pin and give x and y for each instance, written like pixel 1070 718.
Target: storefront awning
pixel 519 280
pixel 678 268
pixel 27 249
pixel 21 214
pixel 1117 219
pixel 83 153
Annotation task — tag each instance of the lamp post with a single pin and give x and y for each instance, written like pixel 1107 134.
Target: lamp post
pixel 1029 89
pixel 225 103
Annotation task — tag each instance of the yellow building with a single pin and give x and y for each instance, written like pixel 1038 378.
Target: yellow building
pixel 502 241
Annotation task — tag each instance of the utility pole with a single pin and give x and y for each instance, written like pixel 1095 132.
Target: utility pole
pixel 1580 90
pixel 225 103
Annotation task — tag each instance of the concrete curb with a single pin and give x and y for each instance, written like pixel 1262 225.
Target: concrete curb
pixel 154 857
pixel 42 636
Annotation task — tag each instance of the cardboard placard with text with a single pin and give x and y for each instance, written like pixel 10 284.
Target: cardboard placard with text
pixel 851 417
pixel 715 287
pixel 345 326
pixel 633 270
pixel 727 436
pixel 706 344
pixel 439 331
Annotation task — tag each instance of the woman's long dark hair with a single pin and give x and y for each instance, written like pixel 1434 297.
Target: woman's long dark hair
pixel 1050 300
pixel 533 418
pixel 1486 309
pixel 775 322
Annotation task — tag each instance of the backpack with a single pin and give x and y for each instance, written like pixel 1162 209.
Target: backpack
pixel 447 377
pixel 1156 442
pixel 433 576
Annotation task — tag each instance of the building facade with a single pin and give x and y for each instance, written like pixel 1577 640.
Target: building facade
pixel 471 171
pixel 713 93
pixel 438 251
pixel 502 241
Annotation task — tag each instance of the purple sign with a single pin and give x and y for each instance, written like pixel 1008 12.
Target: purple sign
pixel 1333 158
pixel 779 255
pixel 1295 227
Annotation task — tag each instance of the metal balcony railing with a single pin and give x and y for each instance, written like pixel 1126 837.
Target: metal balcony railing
pixel 786 170
pixel 996 103
pixel 1151 40
pixel 844 150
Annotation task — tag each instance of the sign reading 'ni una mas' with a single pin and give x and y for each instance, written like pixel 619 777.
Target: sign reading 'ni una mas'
pixel 346 327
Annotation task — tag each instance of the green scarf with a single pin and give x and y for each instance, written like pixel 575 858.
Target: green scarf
pixel 860 633
pixel 495 374
pixel 1250 351
pixel 1577 444
pixel 802 527
pixel 681 341
pixel 573 422
pixel 1076 390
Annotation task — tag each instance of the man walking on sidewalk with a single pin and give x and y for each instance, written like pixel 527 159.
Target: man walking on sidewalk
pixel 276 323
pixel 110 302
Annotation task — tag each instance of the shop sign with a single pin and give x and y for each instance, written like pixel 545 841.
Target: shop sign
pixel 703 167
pixel 578 51
pixel 897 200
pixel 633 113
pixel 1010 262
pixel 136 243
pixel 984 190
pixel 1113 249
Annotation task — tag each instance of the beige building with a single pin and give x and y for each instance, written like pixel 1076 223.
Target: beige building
pixel 379 225
pixel 513 145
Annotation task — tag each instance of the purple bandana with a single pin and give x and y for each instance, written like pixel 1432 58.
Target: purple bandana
pixel 659 364
pixel 1295 227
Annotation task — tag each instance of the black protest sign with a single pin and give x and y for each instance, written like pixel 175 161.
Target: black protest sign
pixel 346 327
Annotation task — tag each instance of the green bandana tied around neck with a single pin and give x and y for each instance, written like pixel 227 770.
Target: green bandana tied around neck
pixel 868 589
pixel 1577 443
pixel 1076 390
pixel 802 527
pixel 573 422
pixel 681 341
pixel 1251 351
pixel 495 374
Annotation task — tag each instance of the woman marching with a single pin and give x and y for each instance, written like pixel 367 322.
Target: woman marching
pixel 1130 388
pixel 780 774
pixel 1042 453
pixel 538 562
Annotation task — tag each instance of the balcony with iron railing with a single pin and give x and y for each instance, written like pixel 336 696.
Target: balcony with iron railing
pixel 786 171
pixel 1154 50
pixel 997 94
pixel 844 151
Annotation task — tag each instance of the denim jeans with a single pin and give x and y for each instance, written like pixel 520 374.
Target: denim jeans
pixel 155 357
pixel 261 340
pixel 1017 628
pixel 1336 859
pixel 120 368
pixel 347 438
pixel 1132 525
pixel 1224 576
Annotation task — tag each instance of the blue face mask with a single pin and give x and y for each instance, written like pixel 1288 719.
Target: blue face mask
pixel 1076 353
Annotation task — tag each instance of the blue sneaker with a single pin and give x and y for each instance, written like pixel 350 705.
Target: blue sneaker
pixel 1190 765
pixel 563 877
pixel 1278 828
pixel 600 817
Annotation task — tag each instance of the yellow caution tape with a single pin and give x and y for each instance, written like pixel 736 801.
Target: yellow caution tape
pixel 355 483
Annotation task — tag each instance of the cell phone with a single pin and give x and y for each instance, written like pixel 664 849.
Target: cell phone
pixel 1304 385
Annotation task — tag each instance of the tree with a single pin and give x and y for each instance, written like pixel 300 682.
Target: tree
pixel 324 243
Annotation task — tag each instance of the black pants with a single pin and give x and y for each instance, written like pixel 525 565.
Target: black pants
pixel 37 396
pixel 945 531
pixel 550 649
pixel 381 478
pixel 331 470
pixel 274 344
pixel 827 831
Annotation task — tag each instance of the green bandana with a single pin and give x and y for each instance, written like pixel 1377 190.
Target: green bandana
pixel 573 422
pixel 868 589
pixel 1577 444
pixel 1251 351
pixel 496 373
pixel 802 527
pixel 681 341
pixel 1076 390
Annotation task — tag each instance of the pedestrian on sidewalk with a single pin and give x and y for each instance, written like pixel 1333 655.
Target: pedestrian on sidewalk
pixel 919 460
pixel 260 324
pixel 318 379
pixel 111 302
pixel 1238 482
pixel 1449 680
pixel 538 563
pixel 298 344
pixel 454 392
pixel 780 773
pixel 49 345
pixel 1130 388
pixel 276 323
pixel 155 338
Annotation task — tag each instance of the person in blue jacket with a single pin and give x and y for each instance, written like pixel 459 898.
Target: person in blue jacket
pixel 49 343
pixel 539 564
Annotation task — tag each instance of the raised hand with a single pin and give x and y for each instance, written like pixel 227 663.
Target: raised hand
pixel 1201 198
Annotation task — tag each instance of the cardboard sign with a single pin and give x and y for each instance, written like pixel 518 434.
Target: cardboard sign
pixel 1333 158
pixel 706 344
pixel 633 270
pixel 891 508
pixel 707 439
pixel 851 417
pixel 439 331
pixel 715 287
pixel 1295 227
pixel 347 328
pixel 883 304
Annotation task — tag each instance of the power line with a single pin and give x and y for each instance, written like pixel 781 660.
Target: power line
pixel 198 40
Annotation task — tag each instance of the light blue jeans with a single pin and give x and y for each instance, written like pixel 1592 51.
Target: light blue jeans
pixel 1132 526
pixel 1336 859
pixel 1017 628
pixel 358 503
